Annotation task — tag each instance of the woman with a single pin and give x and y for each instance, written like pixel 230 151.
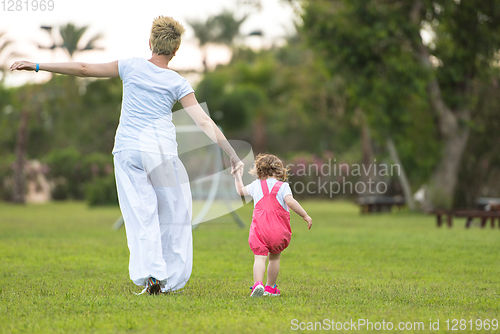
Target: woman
pixel 153 188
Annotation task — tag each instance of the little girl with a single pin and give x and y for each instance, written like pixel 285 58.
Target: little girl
pixel 270 231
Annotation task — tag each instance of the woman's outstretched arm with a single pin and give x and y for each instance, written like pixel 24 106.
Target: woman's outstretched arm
pixel 105 70
pixel 207 125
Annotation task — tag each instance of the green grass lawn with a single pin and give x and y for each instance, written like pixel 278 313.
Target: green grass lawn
pixel 64 270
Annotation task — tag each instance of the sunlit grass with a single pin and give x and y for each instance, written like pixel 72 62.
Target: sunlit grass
pixel 64 270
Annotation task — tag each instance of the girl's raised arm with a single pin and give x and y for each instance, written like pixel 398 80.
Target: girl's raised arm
pixel 238 184
pixel 104 70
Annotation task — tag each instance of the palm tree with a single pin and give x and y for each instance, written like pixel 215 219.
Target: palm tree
pixel 3 46
pixel 228 28
pixel 21 146
pixel 219 29
pixel 71 36
pixel 18 186
pixel 204 32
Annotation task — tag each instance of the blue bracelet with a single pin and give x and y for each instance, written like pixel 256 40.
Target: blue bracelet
pixel 37 67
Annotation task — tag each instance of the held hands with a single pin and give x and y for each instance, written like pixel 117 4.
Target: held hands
pixel 23 65
pixel 236 166
pixel 239 174
pixel 309 221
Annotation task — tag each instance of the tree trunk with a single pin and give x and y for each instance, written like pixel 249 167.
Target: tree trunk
pixel 368 156
pixel 367 145
pixel 444 180
pixel 19 176
pixel 441 190
pixel 204 56
pixel 405 184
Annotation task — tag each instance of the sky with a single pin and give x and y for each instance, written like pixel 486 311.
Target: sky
pixel 126 27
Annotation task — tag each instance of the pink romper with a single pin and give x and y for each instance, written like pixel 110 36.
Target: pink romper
pixel 270 231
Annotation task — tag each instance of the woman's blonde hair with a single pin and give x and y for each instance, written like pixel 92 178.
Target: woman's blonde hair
pixel 268 165
pixel 166 35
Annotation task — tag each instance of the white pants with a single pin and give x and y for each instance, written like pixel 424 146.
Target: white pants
pixel 155 200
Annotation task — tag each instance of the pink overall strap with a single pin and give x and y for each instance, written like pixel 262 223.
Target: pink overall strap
pixel 265 189
pixel 276 187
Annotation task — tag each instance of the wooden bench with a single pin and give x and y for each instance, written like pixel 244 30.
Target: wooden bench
pixel 440 213
pixel 483 215
pixel 469 214
pixel 371 204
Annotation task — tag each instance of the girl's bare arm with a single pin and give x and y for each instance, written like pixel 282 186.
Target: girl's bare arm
pixel 295 206
pixel 104 70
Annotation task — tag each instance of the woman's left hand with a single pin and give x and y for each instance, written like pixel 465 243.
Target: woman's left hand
pixel 23 65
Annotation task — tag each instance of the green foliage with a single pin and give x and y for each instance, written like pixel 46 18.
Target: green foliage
pixel 98 164
pixel 71 36
pixel 480 172
pixel 240 103
pixel 235 93
pixel 285 88
pixel 76 176
pixel 364 60
pixel 67 172
pixel 226 27
pixel 392 267
pixel 376 47
pixel 466 43
pixel 84 117
pixel 222 28
pixel 98 116
pixel 7 120
pixel 102 191
pixel 418 142
pixel 369 43
pixel 231 104
pixel 62 112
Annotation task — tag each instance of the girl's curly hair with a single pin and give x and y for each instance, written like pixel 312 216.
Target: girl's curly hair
pixel 268 165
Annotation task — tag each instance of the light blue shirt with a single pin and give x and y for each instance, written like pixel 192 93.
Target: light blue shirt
pixel 149 93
